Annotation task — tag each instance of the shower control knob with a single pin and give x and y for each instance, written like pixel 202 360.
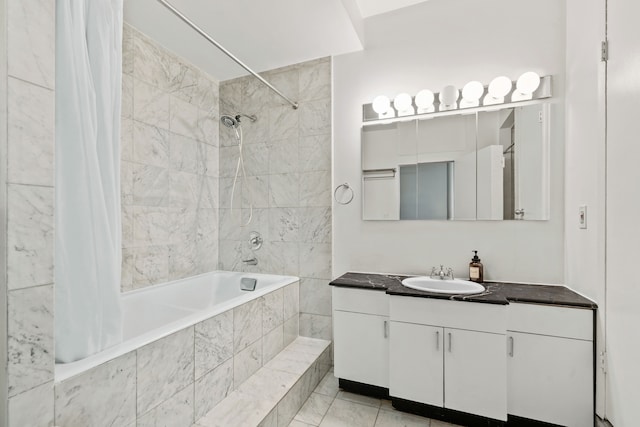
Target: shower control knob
pixel 255 240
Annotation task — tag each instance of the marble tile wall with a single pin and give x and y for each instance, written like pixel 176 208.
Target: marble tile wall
pixel 27 200
pixel 177 379
pixel 287 156
pixel 169 165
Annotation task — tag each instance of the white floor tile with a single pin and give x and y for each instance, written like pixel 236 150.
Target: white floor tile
pixel 358 398
pixel 314 409
pixel 343 413
pixel 328 386
pixel 400 419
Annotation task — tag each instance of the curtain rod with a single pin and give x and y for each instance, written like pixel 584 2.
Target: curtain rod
pixel 225 51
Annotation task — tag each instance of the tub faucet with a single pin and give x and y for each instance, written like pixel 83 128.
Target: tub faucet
pixel 442 274
pixel 251 261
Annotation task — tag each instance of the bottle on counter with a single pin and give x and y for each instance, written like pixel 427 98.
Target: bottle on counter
pixel 476 273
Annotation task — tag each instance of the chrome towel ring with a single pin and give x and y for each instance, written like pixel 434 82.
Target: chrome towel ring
pixel 347 190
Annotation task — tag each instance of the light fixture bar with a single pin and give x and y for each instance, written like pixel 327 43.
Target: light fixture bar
pixel 370 116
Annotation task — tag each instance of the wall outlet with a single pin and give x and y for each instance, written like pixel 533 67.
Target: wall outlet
pixel 582 216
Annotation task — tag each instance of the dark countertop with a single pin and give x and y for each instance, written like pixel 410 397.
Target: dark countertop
pixel 496 293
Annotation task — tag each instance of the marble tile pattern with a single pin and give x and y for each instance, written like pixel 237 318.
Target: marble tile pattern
pixel 288 158
pixel 102 396
pixel 163 368
pixel 214 386
pixel 30 224
pixel 30 338
pixel 28 196
pixel 213 342
pixel 32 408
pixel 176 411
pixel 169 163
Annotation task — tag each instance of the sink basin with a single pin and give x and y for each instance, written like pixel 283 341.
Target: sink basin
pixel 447 286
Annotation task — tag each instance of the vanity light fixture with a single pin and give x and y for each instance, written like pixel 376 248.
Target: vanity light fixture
pixel 471 94
pixel 424 101
pixel 382 106
pixel 525 86
pixel 448 98
pixel 498 89
pixel 403 105
pixel 501 91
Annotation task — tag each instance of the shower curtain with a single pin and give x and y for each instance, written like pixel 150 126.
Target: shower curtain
pixel 88 250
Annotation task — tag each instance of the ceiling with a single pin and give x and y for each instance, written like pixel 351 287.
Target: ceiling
pixel 376 7
pixel 263 34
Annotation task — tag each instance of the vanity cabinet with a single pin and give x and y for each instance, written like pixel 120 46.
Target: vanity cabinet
pixel 550 364
pixel 361 331
pixel 449 354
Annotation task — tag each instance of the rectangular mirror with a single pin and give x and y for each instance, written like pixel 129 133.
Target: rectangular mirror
pixel 486 165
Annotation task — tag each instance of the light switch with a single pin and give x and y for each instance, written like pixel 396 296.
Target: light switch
pixel 582 216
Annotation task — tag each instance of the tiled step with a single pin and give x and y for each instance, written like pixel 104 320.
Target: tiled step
pixel 272 396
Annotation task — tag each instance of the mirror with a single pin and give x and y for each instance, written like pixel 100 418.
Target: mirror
pixel 485 165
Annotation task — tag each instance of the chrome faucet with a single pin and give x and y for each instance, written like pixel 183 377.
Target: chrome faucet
pixel 442 274
pixel 251 261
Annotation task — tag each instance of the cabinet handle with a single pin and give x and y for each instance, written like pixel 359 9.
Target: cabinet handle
pixel 437 340
pixel 385 327
pixel 511 346
pixel 449 342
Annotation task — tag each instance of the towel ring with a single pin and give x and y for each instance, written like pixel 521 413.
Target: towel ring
pixel 346 187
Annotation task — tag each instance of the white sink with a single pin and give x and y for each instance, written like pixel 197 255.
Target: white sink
pixel 446 286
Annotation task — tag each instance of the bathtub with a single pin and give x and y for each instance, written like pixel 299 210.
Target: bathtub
pixel 161 310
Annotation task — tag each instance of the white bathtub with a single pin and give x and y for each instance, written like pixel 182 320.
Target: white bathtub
pixel 158 311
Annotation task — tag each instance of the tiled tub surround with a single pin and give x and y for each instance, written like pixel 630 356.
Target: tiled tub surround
pixel 169 165
pixel 180 377
pixel 287 156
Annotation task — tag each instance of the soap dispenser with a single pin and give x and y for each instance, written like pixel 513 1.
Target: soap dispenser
pixel 476 272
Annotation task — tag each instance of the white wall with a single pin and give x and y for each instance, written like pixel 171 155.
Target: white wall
pixel 585 161
pixel 431 45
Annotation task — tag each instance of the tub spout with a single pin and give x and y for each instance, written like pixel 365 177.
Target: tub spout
pixel 251 261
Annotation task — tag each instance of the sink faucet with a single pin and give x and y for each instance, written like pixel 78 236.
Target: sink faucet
pixel 442 274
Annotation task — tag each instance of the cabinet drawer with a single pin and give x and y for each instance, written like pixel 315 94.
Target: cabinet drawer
pixel 565 322
pixel 451 314
pixel 360 301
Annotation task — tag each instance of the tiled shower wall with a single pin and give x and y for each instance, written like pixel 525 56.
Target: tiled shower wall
pixel 27 187
pixel 169 165
pixel 287 156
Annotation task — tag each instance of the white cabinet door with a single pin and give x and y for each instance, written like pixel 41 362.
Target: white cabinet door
pixel 550 379
pixel 361 348
pixel 474 373
pixel 415 355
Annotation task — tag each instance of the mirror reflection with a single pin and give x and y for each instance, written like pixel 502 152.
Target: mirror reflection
pixel 486 165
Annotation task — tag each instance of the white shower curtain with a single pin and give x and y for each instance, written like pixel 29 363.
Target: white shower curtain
pixel 88 250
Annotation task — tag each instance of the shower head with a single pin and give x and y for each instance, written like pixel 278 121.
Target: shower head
pixel 233 122
pixel 229 121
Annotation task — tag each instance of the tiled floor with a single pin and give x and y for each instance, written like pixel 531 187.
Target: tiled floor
pixel 328 406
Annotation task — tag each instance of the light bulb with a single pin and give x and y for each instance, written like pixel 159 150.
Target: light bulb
pixel 402 102
pixel 500 87
pixel 424 99
pixel 472 91
pixel 448 96
pixel 381 104
pixel 528 83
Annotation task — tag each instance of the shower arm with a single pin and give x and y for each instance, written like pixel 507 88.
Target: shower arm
pixel 190 23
